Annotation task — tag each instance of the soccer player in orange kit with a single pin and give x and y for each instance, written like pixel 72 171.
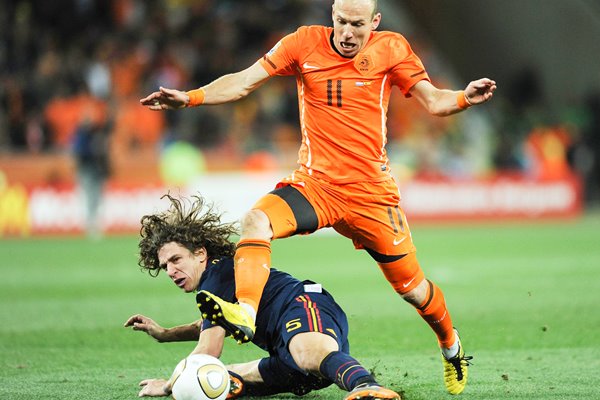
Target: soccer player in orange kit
pixel 344 75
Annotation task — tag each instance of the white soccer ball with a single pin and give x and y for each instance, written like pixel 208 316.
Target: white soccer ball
pixel 200 377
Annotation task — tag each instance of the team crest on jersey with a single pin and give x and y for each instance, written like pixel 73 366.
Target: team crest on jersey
pixel 363 63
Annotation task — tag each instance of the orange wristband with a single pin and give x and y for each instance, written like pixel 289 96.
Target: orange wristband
pixel 462 101
pixel 196 97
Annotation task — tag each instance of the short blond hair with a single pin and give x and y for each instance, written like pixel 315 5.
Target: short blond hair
pixel 373 3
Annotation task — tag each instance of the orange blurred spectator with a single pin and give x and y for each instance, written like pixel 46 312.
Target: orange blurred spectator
pixel 64 114
pixel 547 149
pixel 260 161
pixel 136 126
pixel 126 72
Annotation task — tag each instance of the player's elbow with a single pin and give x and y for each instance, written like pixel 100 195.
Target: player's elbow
pixel 244 85
pixel 245 89
pixel 238 93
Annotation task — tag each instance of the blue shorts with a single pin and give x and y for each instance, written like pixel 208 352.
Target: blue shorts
pixel 313 311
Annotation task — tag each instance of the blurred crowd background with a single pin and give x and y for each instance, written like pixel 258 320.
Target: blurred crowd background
pixel 72 73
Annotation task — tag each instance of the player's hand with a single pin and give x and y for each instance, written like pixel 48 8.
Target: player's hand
pixel 166 99
pixel 480 91
pixel 153 388
pixel 142 323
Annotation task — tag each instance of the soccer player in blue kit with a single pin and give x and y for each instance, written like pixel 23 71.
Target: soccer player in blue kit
pixel 303 329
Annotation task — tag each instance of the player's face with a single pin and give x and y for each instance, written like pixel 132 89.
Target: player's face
pixel 353 21
pixel 183 267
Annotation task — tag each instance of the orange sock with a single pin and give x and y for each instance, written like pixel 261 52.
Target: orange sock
pixel 434 312
pixel 252 266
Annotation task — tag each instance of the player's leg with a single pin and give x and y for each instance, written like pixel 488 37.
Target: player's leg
pixel 378 225
pixel 247 379
pixel 407 279
pixel 320 354
pixel 315 335
pixel 283 212
pixel 253 259
pixel 252 265
pixel 279 376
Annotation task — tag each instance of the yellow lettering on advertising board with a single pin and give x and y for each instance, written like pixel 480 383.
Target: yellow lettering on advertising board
pixel 14 211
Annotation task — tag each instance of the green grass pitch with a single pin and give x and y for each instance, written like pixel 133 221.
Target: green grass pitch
pixel 525 296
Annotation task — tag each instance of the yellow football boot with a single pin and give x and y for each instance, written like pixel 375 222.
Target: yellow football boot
pixel 456 370
pixel 232 317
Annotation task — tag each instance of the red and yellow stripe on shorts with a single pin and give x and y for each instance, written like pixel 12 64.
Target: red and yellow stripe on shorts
pixel 312 313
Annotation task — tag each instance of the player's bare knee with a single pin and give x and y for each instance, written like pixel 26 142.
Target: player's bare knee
pixel 256 225
pixel 310 348
pixel 308 359
pixel 417 295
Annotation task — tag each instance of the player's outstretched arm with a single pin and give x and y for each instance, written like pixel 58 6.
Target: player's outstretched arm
pixel 234 86
pixel 228 88
pixel 443 102
pixel 180 333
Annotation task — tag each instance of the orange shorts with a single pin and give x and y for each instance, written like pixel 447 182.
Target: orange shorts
pixel 368 213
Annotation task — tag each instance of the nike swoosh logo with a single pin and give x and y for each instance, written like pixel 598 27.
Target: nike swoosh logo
pixel 308 66
pixel 408 283
pixel 397 242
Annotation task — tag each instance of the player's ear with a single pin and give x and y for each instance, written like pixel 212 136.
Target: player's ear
pixel 201 252
pixel 375 22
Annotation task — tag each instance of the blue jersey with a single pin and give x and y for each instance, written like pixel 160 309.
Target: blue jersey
pixel 280 290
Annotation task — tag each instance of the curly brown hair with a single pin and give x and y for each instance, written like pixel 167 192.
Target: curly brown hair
pixel 194 227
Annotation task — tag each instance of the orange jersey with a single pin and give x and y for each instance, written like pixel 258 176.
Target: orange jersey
pixel 343 102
